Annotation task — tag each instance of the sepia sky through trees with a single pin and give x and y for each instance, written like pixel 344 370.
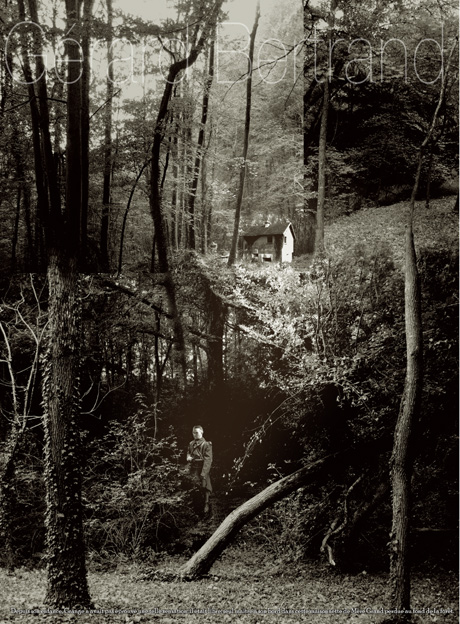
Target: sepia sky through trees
pixel 237 10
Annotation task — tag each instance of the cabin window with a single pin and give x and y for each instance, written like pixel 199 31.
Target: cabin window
pixel 269 239
pixel 284 239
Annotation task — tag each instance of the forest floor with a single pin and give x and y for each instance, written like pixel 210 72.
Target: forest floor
pixel 245 586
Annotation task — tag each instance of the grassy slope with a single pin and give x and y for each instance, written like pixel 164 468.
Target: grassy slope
pixel 436 227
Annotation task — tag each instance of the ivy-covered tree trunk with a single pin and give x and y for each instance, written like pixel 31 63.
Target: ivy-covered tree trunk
pixel 67 584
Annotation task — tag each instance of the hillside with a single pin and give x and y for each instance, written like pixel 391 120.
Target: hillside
pixel 436 227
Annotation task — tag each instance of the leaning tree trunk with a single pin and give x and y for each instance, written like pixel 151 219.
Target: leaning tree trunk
pixel 202 561
pixel 402 456
pixel 125 216
pixel 247 127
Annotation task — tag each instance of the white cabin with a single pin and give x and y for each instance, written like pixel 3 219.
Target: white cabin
pixel 271 242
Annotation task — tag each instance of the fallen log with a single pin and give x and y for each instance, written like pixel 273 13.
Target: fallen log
pixel 201 562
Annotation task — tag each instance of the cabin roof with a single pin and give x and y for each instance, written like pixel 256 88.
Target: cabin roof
pixel 273 229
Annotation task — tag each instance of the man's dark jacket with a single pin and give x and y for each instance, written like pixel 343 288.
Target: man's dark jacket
pixel 201 452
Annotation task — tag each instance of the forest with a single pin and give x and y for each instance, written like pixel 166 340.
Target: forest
pixel 229 234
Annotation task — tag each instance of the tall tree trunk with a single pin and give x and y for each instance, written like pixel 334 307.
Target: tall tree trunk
pixel 401 460
pixel 67 584
pixel 402 455
pixel 160 234
pixel 309 206
pixel 30 254
pixel 247 127
pixel 182 216
pixel 174 233
pixel 187 173
pixel 14 241
pixel 217 318
pixel 205 208
pixel 44 112
pixel 43 205
pixel 319 237
pixel 107 181
pixel 200 147
pixel 85 127
pixel 73 194
pixel 209 204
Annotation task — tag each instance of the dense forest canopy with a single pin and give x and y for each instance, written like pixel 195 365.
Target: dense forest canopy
pixel 128 138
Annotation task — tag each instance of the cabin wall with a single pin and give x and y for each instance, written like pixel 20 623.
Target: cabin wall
pixel 288 246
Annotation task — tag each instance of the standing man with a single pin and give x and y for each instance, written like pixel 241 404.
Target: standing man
pixel 199 454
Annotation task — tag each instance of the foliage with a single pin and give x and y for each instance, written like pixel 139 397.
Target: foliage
pixel 135 491
pixel 333 340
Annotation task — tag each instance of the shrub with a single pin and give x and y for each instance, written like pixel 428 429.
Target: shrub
pixel 136 493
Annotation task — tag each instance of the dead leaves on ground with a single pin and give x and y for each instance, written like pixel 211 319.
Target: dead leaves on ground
pixel 242 588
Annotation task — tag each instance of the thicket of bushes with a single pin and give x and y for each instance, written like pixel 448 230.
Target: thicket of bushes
pixel 309 384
